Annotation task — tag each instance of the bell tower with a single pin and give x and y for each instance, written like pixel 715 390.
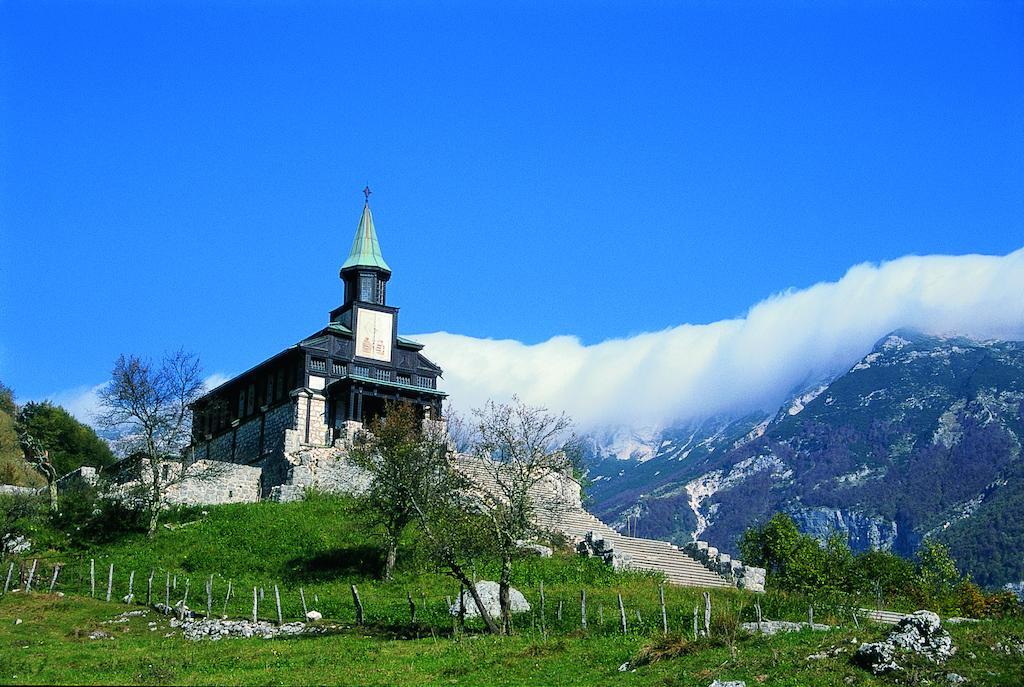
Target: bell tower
pixel 364 272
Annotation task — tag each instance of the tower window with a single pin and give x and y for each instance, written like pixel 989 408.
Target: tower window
pixel 318 364
pixel 366 288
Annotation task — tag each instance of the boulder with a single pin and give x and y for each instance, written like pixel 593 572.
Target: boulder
pixel 314 615
pixel 488 592
pixel 919 633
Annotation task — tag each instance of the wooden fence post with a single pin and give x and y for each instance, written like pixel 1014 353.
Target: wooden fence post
pixel 209 597
pixel 184 599
pixel 543 627
pixel 707 614
pixel 31 574
pixel 757 609
pixel 167 595
pixel 255 603
pixel 622 614
pixel 110 581
pixel 810 616
pixel 358 605
pixel 664 613
pixel 7 582
pixel 131 587
pixel 583 609
pixel 305 611
pixel 149 588
pixel 277 599
pixel 600 614
pixel 696 631
pixel 53 582
pixel 226 597
pixel 92 577
pixel 462 607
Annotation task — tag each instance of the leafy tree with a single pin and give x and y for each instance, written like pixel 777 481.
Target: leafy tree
pixel 937 576
pixel 398 463
pixel 71 444
pixel 13 468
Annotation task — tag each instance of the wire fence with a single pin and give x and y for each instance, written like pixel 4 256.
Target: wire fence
pixel 638 609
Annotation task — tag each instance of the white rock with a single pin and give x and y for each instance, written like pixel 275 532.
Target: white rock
pixel 18 621
pixel 488 592
pixel 314 615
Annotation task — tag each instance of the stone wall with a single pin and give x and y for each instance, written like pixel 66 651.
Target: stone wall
pixel 217 483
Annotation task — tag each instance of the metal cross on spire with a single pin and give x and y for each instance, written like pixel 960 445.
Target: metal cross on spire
pixel 366 193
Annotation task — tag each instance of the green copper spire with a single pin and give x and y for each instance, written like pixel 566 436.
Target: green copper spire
pixel 365 248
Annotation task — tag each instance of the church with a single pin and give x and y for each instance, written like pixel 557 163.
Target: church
pixel 326 385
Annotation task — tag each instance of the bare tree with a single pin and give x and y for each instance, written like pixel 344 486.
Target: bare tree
pixel 151 406
pixel 39 458
pixel 520 455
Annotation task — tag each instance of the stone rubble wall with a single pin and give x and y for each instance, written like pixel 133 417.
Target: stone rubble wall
pixel 217 483
pixel 744 576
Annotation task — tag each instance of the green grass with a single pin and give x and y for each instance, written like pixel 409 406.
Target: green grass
pixel 51 646
pixel 320 546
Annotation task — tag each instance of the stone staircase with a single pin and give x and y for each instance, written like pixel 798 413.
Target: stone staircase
pixel 637 553
pixel 691 568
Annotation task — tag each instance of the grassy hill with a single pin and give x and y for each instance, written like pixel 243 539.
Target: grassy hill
pixel 320 546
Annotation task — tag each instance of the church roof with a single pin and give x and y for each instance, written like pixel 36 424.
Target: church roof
pixel 365 248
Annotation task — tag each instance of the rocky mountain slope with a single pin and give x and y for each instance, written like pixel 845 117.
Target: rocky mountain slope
pixel 922 437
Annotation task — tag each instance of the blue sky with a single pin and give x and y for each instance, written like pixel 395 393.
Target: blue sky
pixel 188 174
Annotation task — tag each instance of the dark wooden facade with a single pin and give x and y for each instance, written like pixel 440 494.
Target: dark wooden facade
pixel 357 378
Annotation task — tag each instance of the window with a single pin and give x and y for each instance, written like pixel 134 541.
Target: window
pixel 337 369
pixel 250 400
pixel 404 379
pixel 366 287
pixel 383 375
pixel 318 364
pixel 241 403
pixel 381 290
pixel 270 390
pixel 279 389
pixel 360 371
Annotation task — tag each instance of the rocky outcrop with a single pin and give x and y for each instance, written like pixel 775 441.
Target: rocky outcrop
pixel 919 633
pixel 863 532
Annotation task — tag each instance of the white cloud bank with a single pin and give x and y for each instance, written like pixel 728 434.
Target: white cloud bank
pixel 747 364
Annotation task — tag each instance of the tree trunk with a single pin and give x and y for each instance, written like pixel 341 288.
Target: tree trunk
pixel 389 560
pixel 461 576
pixel 504 582
pixel 155 496
pixel 154 516
pixel 52 483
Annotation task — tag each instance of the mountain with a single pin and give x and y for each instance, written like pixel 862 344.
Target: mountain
pixel 922 437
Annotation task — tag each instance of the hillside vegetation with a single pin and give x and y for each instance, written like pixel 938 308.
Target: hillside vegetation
pixel 321 547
